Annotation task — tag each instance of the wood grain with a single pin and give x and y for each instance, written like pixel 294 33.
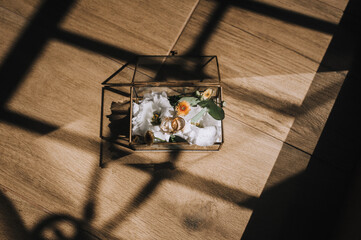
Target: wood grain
pixel 267 64
pixel 50 146
pixel 11 25
pixel 65 178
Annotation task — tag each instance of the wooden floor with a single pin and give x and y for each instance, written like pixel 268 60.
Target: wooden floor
pixel 281 70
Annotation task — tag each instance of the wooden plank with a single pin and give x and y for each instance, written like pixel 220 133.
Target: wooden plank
pixel 137 26
pixel 293 27
pixel 126 25
pixel 65 178
pixel 311 116
pixel 337 4
pixel 328 10
pixel 52 163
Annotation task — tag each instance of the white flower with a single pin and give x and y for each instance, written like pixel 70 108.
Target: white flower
pixel 143 113
pixel 207 135
pixel 209 121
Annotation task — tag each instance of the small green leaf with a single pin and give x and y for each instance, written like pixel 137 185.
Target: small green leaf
pixel 191 100
pixel 174 138
pixel 173 100
pixel 213 109
pixel 204 103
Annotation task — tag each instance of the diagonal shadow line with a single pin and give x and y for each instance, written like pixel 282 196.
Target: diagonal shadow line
pixel 315 198
pixel 153 64
pixel 147 190
pixel 115 73
pixel 308 104
pixel 197 48
pixel 214 19
pixel 81 42
pixel 246 201
pixel 133 205
pixel 26 122
pixel 29 46
pixel 166 171
pixel 51 14
pixel 286 15
pixel 91 201
pixel 42 127
pixel 201 184
pixel 271 207
pixel 257 98
pixel 95 46
pixel 278 189
pixel 108 50
pixel 212 188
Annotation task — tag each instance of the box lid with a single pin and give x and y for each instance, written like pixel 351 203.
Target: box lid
pixel 169 70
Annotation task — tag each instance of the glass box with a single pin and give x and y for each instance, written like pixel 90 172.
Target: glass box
pixel 190 85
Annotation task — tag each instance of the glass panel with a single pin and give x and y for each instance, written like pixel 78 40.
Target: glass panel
pixel 175 77
pixel 123 75
pixel 115 116
pixel 177 70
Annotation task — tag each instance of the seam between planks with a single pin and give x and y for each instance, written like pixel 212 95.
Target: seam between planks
pixel 267 134
pixel 184 26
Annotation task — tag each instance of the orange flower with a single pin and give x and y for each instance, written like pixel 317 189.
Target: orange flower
pixel 207 94
pixel 183 108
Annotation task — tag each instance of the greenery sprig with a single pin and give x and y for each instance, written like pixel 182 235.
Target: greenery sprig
pixel 203 100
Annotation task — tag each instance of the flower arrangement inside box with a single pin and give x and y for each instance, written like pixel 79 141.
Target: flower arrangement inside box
pixel 175 104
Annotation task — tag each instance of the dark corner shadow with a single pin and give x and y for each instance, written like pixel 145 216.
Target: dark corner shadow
pixel 342 50
pixel 11 223
pixel 309 204
pixel 29 45
pixel 301 200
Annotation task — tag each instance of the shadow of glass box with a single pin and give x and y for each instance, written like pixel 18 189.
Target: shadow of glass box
pixel 174 75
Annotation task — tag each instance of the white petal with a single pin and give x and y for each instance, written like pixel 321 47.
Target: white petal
pixel 192 112
pixel 158 102
pixel 135 109
pixel 206 136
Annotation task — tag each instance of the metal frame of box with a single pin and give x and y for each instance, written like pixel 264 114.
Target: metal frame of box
pixel 134 85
